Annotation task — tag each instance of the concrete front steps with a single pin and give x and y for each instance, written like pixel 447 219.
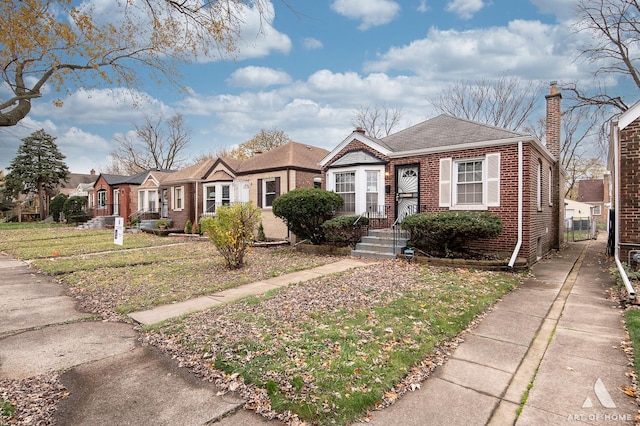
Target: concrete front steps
pixel 379 244
pixel 95 223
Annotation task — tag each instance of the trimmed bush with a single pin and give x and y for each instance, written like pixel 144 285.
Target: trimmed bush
pixel 304 211
pixel 342 231
pixel 448 233
pixel 74 209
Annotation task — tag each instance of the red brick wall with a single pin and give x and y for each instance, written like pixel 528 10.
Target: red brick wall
pixel 538 229
pixel 629 203
pixel 180 217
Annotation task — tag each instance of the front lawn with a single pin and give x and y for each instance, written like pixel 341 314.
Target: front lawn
pixel 325 351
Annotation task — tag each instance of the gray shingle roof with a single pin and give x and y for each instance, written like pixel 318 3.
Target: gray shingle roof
pixel 443 131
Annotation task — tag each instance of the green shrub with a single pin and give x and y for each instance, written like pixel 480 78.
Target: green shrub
pixel 344 230
pixel 231 231
pixel 188 227
pixel 447 233
pixel 304 210
pixel 74 209
pixel 57 205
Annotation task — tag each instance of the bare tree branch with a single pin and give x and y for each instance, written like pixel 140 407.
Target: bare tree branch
pixel 377 121
pixel 506 102
pixel 157 144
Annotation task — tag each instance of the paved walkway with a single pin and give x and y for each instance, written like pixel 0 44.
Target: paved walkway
pixel 164 312
pixel 557 334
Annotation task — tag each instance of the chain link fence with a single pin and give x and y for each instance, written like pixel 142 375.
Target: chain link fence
pixel 580 229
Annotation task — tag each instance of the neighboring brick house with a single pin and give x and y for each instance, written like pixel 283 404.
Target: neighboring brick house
pixel 126 196
pixel 624 164
pixel 596 192
pixel 183 191
pixel 448 163
pixel 261 178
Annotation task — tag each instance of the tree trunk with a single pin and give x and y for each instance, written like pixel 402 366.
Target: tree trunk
pixel 41 201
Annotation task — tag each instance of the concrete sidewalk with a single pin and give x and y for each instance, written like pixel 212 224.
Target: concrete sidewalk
pixel 557 333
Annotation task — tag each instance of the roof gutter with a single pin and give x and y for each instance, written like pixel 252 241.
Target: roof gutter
pixel 476 145
pixel 516 250
pixel 616 161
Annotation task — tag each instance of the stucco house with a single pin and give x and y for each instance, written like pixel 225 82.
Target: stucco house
pixel 198 190
pixel 578 210
pixel 449 163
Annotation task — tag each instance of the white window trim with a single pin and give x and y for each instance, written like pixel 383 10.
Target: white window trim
pixel 360 184
pixel 174 198
pixel 264 192
pixel 539 186
pixel 490 182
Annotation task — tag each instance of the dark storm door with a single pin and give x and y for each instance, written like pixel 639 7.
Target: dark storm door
pixel 406 191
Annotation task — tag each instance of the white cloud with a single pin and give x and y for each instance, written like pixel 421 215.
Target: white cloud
pixel 258 37
pixel 423 6
pixel 562 9
pixel 371 13
pixel 529 49
pixel 101 106
pixel 465 9
pixel 258 77
pixel 311 43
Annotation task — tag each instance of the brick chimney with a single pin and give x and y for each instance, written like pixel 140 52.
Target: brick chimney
pixel 554 126
pixel 93 172
pixel 359 130
pixel 554 120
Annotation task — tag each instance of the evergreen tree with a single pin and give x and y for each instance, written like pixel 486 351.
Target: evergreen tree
pixel 38 168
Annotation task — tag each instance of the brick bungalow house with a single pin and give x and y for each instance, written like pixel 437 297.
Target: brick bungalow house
pixel 448 163
pixel 198 190
pixel 624 163
pixel 115 195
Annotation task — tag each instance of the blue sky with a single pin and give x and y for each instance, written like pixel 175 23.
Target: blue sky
pixel 310 68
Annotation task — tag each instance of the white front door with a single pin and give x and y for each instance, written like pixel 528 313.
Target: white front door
pixel 116 202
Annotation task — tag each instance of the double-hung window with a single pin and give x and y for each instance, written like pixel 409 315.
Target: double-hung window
pixel 178 197
pixel 102 198
pixel 470 184
pixel 345 184
pixel 226 195
pixel 268 190
pixel 372 191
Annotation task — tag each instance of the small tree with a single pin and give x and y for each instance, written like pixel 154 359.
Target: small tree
pixel 57 206
pixel 304 210
pixel 448 232
pixel 231 231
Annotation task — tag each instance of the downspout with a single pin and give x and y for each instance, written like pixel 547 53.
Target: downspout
pixel 623 272
pixel 516 250
pixel 195 207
